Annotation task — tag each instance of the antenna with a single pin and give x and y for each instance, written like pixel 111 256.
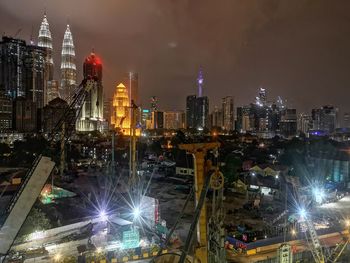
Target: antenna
pixel 17 32
pixel 31 36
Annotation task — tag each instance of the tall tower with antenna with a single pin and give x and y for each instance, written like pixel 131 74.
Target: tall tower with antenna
pixel 68 67
pixel 200 81
pixel 45 40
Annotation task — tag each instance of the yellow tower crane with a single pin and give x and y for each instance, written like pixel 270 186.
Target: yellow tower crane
pixel 199 151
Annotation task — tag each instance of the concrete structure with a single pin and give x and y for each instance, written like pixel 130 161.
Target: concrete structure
pixel 23 201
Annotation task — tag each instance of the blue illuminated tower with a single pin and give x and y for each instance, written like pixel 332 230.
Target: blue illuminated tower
pixel 200 81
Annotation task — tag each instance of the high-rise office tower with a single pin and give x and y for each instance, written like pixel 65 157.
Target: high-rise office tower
pixel 157 120
pixel 12 54
pixel 45 41
pixel 68 68
pixel 91 116
pixel 228 113
pixel 262 96
pixel 34 77
pixel 173 120
pixel 202 113
pixel 154 103
pixel 243 119
pixel 216 118
pixel 304 123
pixel 288 122
pixel 346 120
pixel 191 112
pixel 325 119
pixel 197 108
pixel 5 112
pixel 22 75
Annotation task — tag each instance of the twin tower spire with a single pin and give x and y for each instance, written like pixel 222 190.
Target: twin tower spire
pixel 68 67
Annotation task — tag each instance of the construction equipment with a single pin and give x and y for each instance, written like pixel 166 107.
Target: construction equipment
pixel 133 180
pixel 201 182
pixel 13 217
pixel 316 247
pixel 22 202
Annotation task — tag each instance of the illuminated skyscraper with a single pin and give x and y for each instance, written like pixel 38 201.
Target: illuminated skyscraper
pixel 120 118
pixel 197 108
pixel 174 120
pixel 68 68
pixel 45 40
pixel 228 113
pixel 91 116
pixel 154 103
pixel 200 81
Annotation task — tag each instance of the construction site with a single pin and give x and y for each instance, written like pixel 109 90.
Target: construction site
pixel 131 216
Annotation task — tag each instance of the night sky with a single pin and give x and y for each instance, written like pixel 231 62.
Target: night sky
pixel 299 50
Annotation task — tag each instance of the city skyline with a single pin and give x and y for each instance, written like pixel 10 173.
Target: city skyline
pixel 264 50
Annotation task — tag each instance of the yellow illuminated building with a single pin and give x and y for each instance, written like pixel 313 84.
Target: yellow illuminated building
pixel 121 113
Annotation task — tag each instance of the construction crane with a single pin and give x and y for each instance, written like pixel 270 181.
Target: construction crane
pixel 316 247
pixel 199 151
pixel 312 237
pixel 13 217
pixel 206 251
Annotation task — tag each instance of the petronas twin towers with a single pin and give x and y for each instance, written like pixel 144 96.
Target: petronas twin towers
pixel 68 68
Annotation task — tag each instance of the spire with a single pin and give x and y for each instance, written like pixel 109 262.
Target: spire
pixel 45 39
pixel 68 67
pixel 200 81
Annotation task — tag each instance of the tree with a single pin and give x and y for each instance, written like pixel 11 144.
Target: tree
pixel 36 221
pixel 4 149
pixel 232 165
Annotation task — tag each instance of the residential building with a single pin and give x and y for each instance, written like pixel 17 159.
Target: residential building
pixel 228 113
pixel 174 120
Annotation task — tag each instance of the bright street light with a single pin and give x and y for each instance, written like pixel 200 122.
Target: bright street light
pixel 293 232
pixel 319 194
pixel 103 215
pixel 57 257
pixel 136 212
pixel 302 212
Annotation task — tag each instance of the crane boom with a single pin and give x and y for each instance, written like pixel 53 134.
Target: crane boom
pixel 13 217
pixel 316 248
